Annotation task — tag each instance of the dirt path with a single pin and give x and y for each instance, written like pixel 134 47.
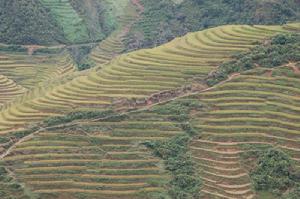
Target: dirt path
pixel 294 67
pixel 128 110
pixel 28 137
pixel 32 48
pixel 138 4
pixel 269 73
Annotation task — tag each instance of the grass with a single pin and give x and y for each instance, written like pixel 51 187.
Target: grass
pixel 29 73
pixel 66 154
pixel 266 195
pixel 127 73
pixel 73 26
pixel 83 159
pixel 250 110
pixel 68 161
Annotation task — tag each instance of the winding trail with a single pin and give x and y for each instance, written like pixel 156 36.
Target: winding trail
pixel 12 147
pixel 128 110
pixel 294 67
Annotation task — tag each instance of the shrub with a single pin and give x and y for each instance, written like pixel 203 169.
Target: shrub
pixel 273 172
pixel 185 182
pixel 28 22
pixel 76 116
pixel 178 110
pixel 293 194
pixel 177 19
pixel 282 49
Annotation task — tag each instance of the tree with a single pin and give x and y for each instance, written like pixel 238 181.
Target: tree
pixel 273 171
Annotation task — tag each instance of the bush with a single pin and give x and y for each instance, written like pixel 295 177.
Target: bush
pixel 76 116
pixel 185 182
pixel 27 22
pixel 283 48
pixel 293 194
pixel 178 110
pixel 13 48
pixel 273 172
pixel 163 20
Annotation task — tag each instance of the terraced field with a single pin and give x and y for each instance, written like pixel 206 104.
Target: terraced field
pixel 71 23
pixel 139 74
pixel 105 158
pixel 100 159
pixel 256 109
pixel 29 71
pixel 114 45
pixel 9 90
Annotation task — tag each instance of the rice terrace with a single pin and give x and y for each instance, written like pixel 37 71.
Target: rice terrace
pixel 149 99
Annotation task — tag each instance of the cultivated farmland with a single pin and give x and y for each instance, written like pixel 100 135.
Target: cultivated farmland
pixel 183 120
pixel 100 159
pixel 252 111
pixel 135 75
pixel 29 71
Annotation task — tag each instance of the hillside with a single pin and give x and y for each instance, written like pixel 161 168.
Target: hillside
pixel 74 21
pixel 163 20
pixel 55 21
pixel 18 27
pixel 134 76
pixel 124 128
pixel 144 99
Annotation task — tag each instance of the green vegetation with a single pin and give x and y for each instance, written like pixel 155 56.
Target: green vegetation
pixel 9 189
pixel 29 71
pixel 27 22
pixel 56 21
pixel 52 121
pixel 178 110
pixel 273 172
pixel 251 113
pixel 164 20
pixel 80 56
pixel 185 182
pixel 94 15
pixel 48 51
pixel 68 19
pixel 293 194
pixel 281 49
pixel 12 48
pixel 95 152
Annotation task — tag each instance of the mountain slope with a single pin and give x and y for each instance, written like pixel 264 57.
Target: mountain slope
pixel 31 70
pixel 106 121
pixel 54 21
pixel 133 77
pixel 163 20
pixel 250 112
pixel 67 18
pixel 27 22
pixel 105 156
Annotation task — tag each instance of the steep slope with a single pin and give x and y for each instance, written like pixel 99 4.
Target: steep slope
pixel 10 188
pixel 73 26
pixel 100 159
pixel 31 70
pixel 9 90
pixel 253 110
pixel 103 155
pixel 106 155
pixel 139 74
pixel 114 44
pixel 163 20
pixel 58 21
pixel 27 22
